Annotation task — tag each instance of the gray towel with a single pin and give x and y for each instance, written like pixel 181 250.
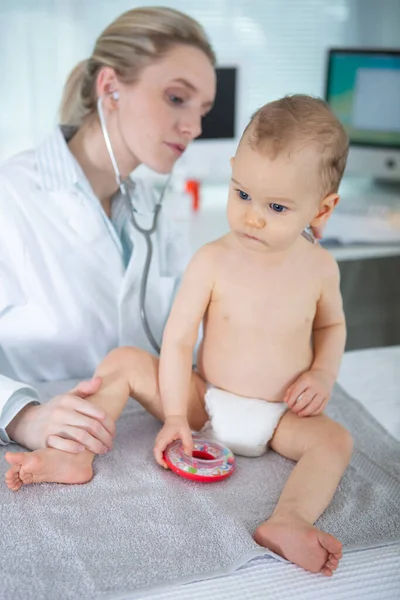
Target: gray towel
pixel 136 525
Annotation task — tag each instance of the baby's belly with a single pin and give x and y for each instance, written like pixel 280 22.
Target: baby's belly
pixel 253 367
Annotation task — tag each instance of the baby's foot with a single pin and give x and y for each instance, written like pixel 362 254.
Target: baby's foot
pixel 47 465
pixel 301 543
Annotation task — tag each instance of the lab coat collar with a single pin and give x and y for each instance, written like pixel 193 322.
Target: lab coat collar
pixel 57 167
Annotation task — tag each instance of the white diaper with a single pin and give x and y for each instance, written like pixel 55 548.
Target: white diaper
pixel 245 425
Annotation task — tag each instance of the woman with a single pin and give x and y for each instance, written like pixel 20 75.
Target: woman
pixel 71 260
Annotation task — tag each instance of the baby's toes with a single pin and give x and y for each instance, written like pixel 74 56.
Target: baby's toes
pixel 12 478
pixel 25 476
pixel 326 571
pixel 332 564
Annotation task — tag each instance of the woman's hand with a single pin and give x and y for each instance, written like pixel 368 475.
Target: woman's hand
pixel 175 428
pixel 67 422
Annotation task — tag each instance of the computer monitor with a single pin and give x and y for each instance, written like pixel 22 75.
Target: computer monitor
pixel 207 157
pixel 363 90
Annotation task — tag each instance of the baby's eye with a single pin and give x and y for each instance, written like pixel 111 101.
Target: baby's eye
pixel 242 195
pixel 278 208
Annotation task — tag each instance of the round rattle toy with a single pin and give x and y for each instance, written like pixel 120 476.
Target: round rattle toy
pixel 210 461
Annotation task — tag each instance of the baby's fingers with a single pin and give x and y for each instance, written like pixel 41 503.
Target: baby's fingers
pixel 288 393
pixel 159 447
pixel 297 390
pixel 159 456
pixel 313 407
pixel 322 406
pixel 187 442
pixel 302 400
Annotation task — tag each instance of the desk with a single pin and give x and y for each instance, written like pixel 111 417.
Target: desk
pixel 370 288
pixel 370 275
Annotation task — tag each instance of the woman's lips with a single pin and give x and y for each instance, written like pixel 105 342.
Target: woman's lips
pixel 178 148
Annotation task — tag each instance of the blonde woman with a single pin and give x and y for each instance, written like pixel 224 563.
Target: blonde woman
pixel 71 260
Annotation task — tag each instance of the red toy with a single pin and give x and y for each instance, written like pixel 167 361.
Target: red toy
pixel 210 461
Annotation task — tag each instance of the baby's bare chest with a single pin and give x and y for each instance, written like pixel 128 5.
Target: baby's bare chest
pixel 275 298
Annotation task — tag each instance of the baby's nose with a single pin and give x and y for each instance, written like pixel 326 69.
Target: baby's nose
pixel 256 220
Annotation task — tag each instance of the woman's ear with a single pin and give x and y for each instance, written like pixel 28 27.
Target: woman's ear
pixel 325 210
pixel 107 84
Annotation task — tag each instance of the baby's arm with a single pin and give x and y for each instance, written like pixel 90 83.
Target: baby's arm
pixel 329 328
pixel 310 393
pixel 179 339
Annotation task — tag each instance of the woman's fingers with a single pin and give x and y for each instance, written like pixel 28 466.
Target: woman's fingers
pixel 78 435
pixel 96 414
pixel 87 424
pixel 87 388
pixel 59 443
pixel 91 426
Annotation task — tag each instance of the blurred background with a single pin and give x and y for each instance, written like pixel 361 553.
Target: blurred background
pixel 347 51
pixel 279 46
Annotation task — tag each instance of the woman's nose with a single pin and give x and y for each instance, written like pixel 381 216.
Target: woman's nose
pixel 191 126
pixel 254 219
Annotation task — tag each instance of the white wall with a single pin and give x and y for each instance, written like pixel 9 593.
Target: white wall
pixel 280 46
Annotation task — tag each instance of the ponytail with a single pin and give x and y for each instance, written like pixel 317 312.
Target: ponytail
pixel 72 110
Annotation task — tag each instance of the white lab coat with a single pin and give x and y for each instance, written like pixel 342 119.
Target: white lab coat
pixel 66 297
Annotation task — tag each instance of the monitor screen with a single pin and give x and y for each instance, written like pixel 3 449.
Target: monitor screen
pixel 363 90
pixel 219 123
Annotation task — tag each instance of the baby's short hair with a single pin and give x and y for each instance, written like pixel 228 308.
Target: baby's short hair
pixel 300 121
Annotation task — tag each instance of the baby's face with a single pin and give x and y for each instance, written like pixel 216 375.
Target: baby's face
pixel 270 201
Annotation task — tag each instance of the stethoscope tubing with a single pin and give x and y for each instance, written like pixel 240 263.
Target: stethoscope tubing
pixel 147 233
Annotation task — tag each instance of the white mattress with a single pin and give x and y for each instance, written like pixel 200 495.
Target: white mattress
pixel 373 377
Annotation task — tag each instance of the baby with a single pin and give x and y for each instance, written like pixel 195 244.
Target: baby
pixel 274 329
pixel 274 333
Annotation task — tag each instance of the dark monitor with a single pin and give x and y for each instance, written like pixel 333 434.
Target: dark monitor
pixel 219 123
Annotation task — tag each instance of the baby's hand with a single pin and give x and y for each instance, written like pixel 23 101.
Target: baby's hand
pixel 175 428
pixel 309 395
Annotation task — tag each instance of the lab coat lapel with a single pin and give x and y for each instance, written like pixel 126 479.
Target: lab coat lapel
pixel 69 202
pixel 87 232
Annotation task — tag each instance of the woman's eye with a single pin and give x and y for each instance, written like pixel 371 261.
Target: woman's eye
pixel 242 195
pixel 175 99
pixel 278 208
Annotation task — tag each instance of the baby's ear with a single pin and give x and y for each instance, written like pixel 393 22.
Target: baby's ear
pixel 325 210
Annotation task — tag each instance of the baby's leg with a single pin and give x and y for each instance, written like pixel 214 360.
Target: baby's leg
pixel 138 370
pixel 323 449
pixel 125 372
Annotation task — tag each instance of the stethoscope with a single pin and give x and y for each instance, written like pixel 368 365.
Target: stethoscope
pixel 147 233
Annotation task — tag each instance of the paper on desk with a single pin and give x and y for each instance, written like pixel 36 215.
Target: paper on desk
pixel 348 229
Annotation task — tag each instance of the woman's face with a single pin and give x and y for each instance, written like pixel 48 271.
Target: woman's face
pixel 158 116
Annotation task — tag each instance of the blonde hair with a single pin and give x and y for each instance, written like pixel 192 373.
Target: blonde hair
pixel 134 40
pixel 299 121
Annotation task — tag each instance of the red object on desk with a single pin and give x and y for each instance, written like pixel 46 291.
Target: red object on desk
pixel 192 187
